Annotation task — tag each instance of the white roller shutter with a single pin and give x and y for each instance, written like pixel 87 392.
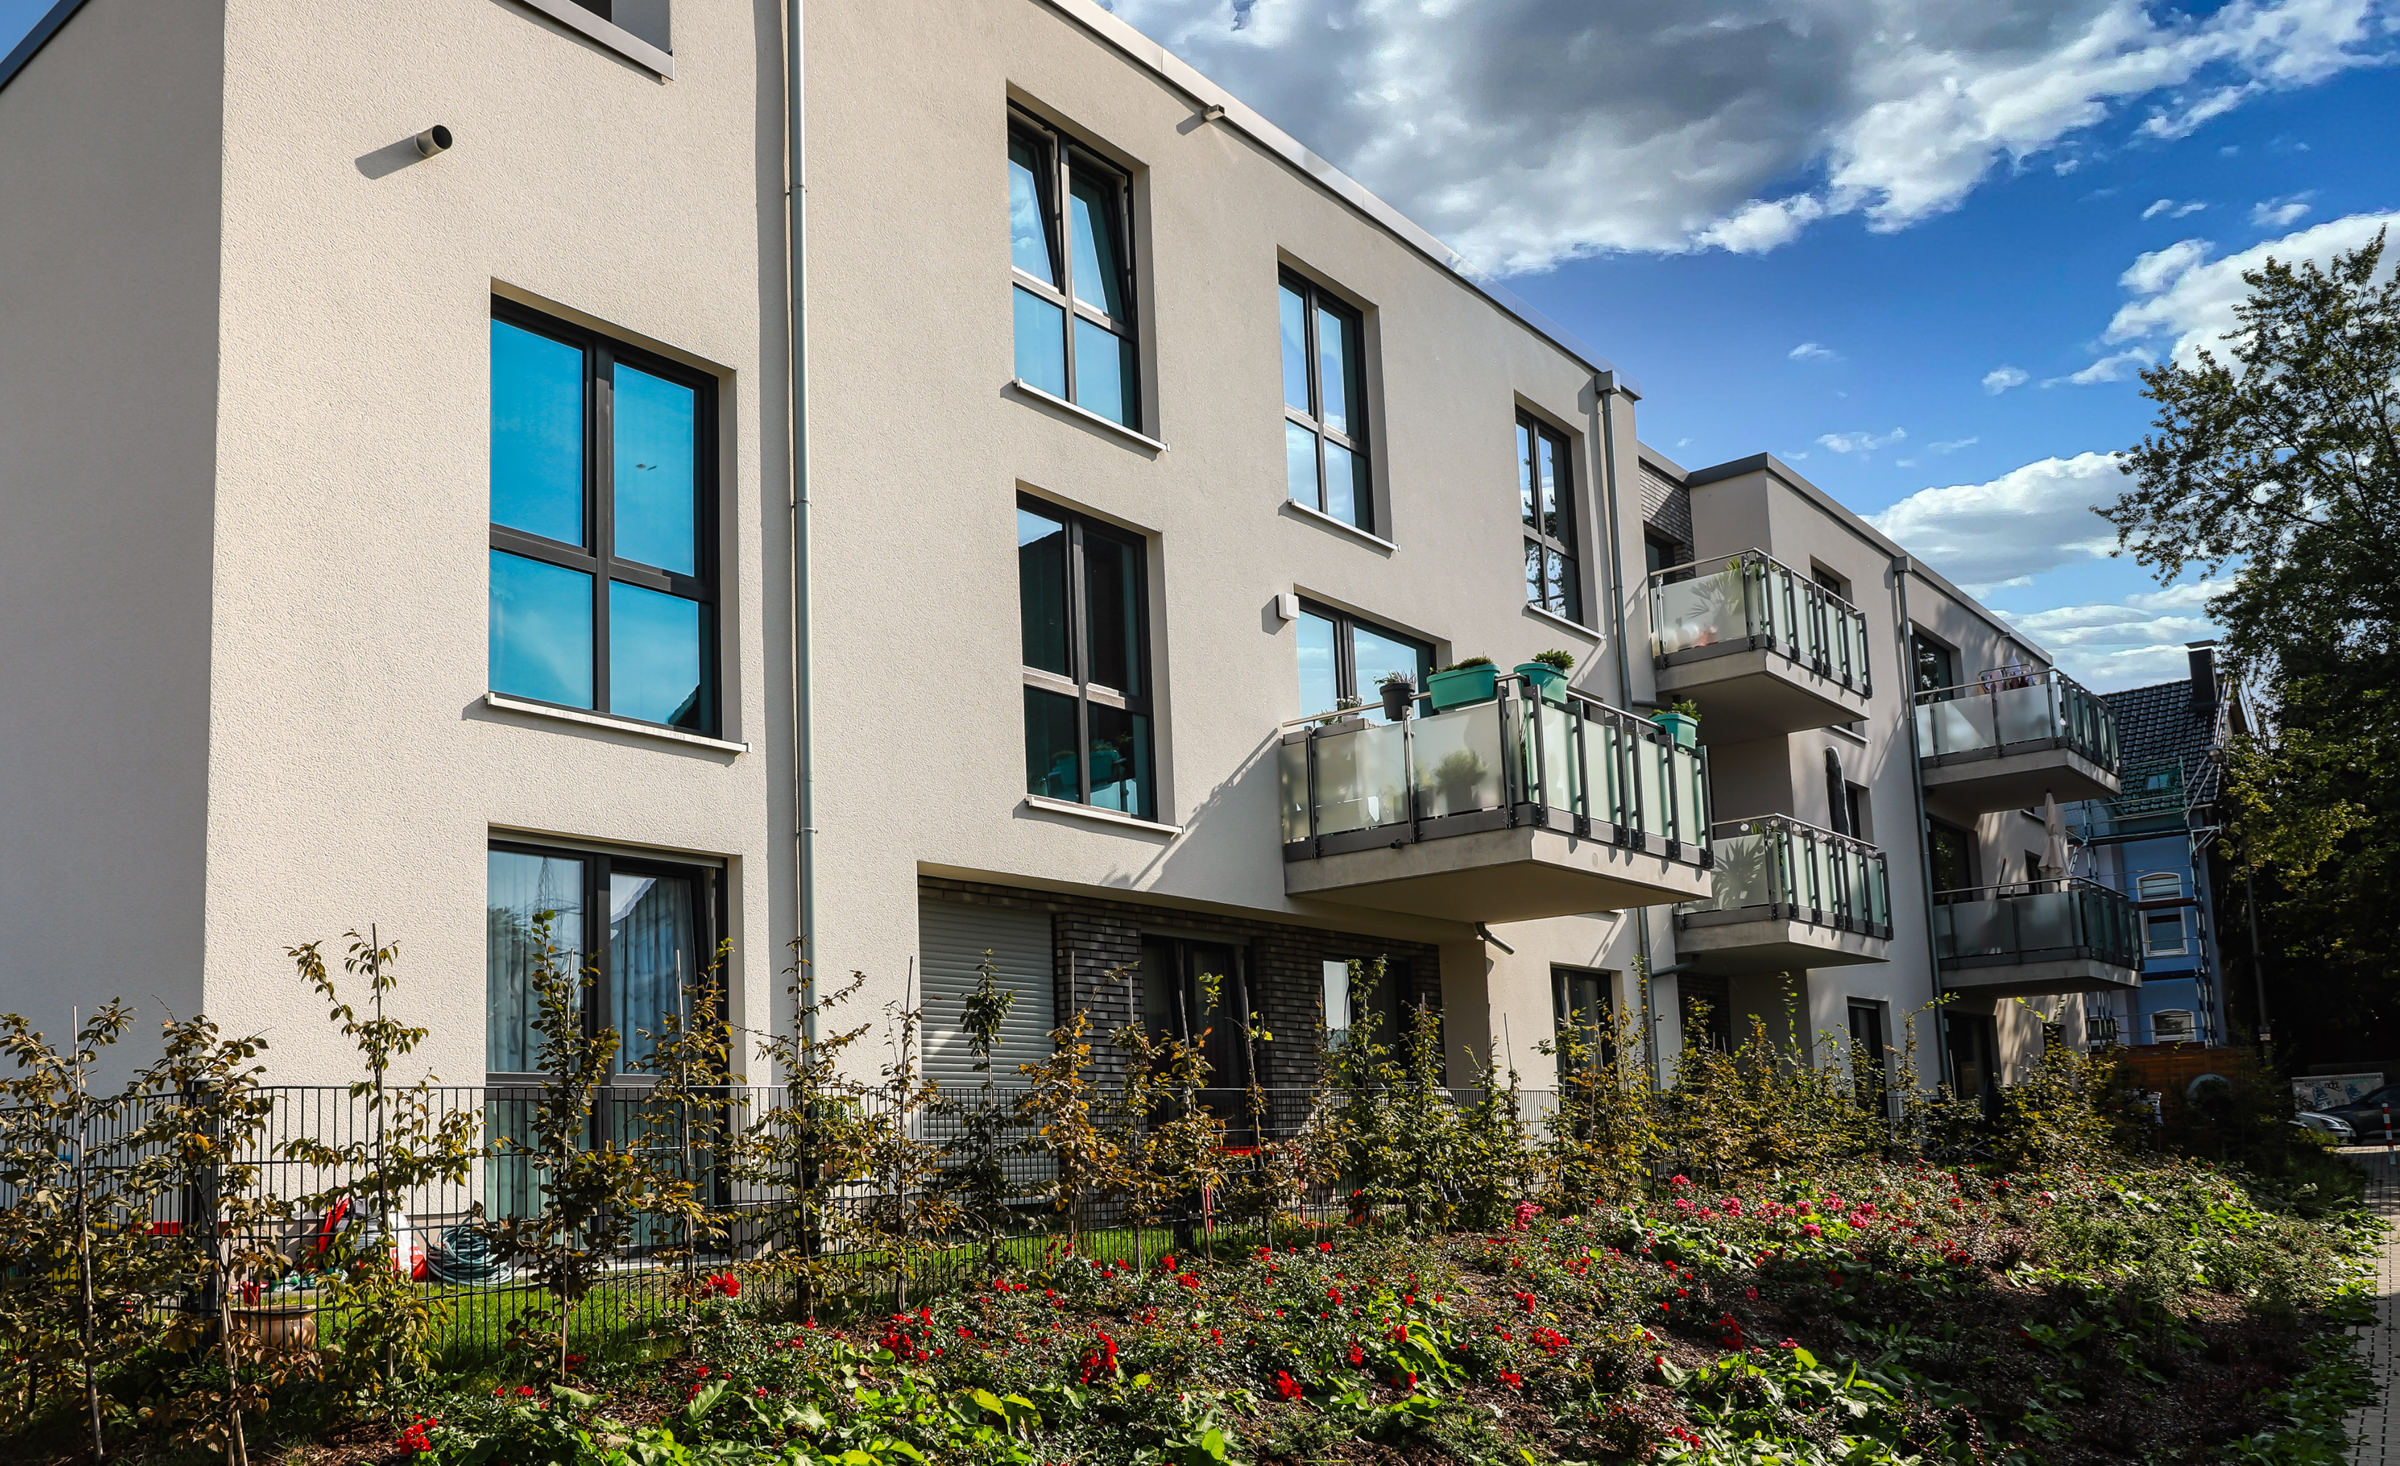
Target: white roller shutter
pixel 952 938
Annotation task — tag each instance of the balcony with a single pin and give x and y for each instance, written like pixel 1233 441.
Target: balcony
pixel 1760 646
pixel 2036 938
pixel 1508 810
pixel 2009 738
pixel 1788 897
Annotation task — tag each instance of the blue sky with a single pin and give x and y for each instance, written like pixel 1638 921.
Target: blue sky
pixel 1916 248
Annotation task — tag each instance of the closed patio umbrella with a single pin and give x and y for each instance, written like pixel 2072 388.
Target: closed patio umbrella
pixel 2055 850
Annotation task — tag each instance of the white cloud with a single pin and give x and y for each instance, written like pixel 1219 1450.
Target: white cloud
pixel 1952 445
pixel 1861 442
pixel 2117 368
pixel 2027 521
pixel 2279 213
pixel 1527 132
pixel 2172 209
pixel 2000 379
pixel 2180 293
pixel 2138 640
pixel 1811 351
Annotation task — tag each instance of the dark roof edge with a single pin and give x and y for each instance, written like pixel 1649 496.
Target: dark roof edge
pixel 37 38
pixel 1851 520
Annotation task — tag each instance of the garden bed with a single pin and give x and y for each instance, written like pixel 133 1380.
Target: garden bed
pixel 1886 1313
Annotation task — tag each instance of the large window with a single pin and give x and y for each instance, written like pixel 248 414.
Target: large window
pixel 1082 596
pixel 1344 659
pixel 1545 495
pixel 1952 855
pixel 1070 253
pixel 647 930
pixel 2164 933
pixel 603 550
pixel 1324 405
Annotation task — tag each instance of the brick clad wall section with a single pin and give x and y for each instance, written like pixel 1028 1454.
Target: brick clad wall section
pixel 1284 967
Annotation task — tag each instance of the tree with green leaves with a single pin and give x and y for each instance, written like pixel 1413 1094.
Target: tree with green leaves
pixel 592 1183
pixel 974 1174
pixel 410 1139
pixel 2281 462
pixel 808 1143
pixel 684 1128
pixel 74 1239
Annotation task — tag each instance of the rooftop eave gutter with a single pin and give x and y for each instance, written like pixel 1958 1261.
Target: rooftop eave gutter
pixel 37 38
pixel 1181 75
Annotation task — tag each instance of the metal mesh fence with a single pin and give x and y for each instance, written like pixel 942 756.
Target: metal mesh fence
pixel 448 1236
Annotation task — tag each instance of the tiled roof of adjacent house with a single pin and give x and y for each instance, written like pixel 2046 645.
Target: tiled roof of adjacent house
pixel 2161 725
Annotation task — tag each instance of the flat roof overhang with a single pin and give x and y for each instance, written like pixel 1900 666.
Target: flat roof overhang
pixel 2015 777
pixel 1523 872
pixel 2037 974
pixel 1751 692
pixel 1758 940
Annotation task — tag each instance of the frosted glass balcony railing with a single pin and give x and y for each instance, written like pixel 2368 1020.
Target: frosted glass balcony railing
pixel 1753 602
pixel 1564 761
pixel 2005 712
pixel 2035 921
pixel 1778 868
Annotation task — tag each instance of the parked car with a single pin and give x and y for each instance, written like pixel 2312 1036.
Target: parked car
pixel 2331 1125
pixel 2364 1115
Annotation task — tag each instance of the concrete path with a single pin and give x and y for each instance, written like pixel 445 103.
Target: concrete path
pixel 2375 1428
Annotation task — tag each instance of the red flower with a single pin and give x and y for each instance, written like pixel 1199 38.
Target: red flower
pixel 1187 1280
pixel 1357 1355
pixel 1286 1386
pixel 413 1439
pixel 1513 1381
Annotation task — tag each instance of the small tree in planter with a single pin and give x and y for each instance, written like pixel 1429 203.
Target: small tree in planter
pixel 902 1167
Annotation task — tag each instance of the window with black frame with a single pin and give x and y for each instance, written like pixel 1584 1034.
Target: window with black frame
pixel 1324 405
pixel 1070 248
pixel 1082 597
pixel 1936 668
pixel 1545 495
pixel 603 528
pixel 1343 660
pixel 644 929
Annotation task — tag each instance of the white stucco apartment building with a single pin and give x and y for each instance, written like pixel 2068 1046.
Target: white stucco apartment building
pixel 426 535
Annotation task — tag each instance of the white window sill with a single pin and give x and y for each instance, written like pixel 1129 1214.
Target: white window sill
pixel 1850 733
pixel 1085 414
pixel 501 702
pixel 1319 516
pixel 615 37
pixel 1599 637
pixel 1092 812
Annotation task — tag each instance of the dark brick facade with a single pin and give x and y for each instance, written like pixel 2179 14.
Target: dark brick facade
pixel 1282 964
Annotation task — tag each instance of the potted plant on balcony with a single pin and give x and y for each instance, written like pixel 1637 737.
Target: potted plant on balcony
pixel 1546 674
pixel 1472 680
pixel 1399 695
pixel 1682 722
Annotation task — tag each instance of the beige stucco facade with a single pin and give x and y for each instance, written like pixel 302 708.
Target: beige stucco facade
pixel 244 435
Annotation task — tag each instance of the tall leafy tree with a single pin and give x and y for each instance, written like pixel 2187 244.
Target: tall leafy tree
pixel 2282 462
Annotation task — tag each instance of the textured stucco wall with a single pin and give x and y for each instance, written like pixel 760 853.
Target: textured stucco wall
pixel 108 384
pixel 354 774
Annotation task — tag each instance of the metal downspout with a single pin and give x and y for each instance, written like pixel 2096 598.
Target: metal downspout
pixel 1907 669
pixel 1604 388
pixel 804 750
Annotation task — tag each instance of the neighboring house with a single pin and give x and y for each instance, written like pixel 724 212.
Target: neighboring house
pixel 372 512
pixel 2157 843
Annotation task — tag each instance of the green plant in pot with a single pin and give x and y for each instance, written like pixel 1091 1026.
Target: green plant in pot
pixel 1399 694
pixel 1472 680
pixel 1546 674
pixel 1682 722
